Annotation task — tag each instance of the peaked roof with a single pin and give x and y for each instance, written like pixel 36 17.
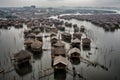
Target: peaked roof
pixel 36 44
pixel 76 40
pixel 73 50
pixel 21 55
pixel 60 59
pixel 59 44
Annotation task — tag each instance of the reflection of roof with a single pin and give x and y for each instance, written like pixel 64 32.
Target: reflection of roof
pixel 74 50
pixel 36 44
pixel 60 59
pixel 76 40
pixel 21 55
pixel 59 51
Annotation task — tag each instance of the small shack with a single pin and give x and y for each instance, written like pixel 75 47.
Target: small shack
pixel 28 42
pixel 54 29
pixel 39 37
pixel 59 44
pixel 75 43
pixel 53 34
pixel 22 57
pixel 31 35
pixel 53 40
pixel 58 52
pixel 86 43
pixel 82 29
pixel 66 37
pixel 36 31
pixel 60 63
pixel 36 46
pixel 74 53
pixel 77 35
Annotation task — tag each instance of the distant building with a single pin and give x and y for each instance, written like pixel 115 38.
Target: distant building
pixel 33 6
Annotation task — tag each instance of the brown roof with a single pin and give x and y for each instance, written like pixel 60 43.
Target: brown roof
pixel 28 41
pixel 60 59
pixel 36 44
pixel 77 33
pixel 73 50
pixel 31 35
pixel 86 40
pixel 76 40
pixel 59 44
pixel 21 55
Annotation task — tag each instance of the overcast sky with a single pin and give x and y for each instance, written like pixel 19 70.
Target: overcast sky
pixel 57 3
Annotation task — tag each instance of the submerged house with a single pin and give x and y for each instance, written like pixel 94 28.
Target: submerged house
pixel 36 46
pixel 86 43
pixel 82 29
pixel 39 37
pixel 74 53
pixel 59 44
pixel 77 35
pixel 60 63
pixel 31 35
pixel 75 43
pixel 28 42
pixel 58 52
pixel 53 34
pixel 54 29
pixel 22 57
pixel 53 40
pixel 66 37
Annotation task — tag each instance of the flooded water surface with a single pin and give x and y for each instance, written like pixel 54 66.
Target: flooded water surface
pixel 107 54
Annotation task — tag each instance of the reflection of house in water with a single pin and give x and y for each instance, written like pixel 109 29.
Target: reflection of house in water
pixel 60 75
pixel 86 43
pixel 22 63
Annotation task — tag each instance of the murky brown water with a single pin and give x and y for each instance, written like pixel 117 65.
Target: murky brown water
pixel 108 54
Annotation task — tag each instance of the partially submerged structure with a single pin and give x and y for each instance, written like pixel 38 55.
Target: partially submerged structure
pixel 28 42
pixel 60 63
pixel 77 35
pixel 75 43
pixel 22 57
pixel 53 40
pixel 86 43
pixel 74 53
pixel 66 37
pixel 36 46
